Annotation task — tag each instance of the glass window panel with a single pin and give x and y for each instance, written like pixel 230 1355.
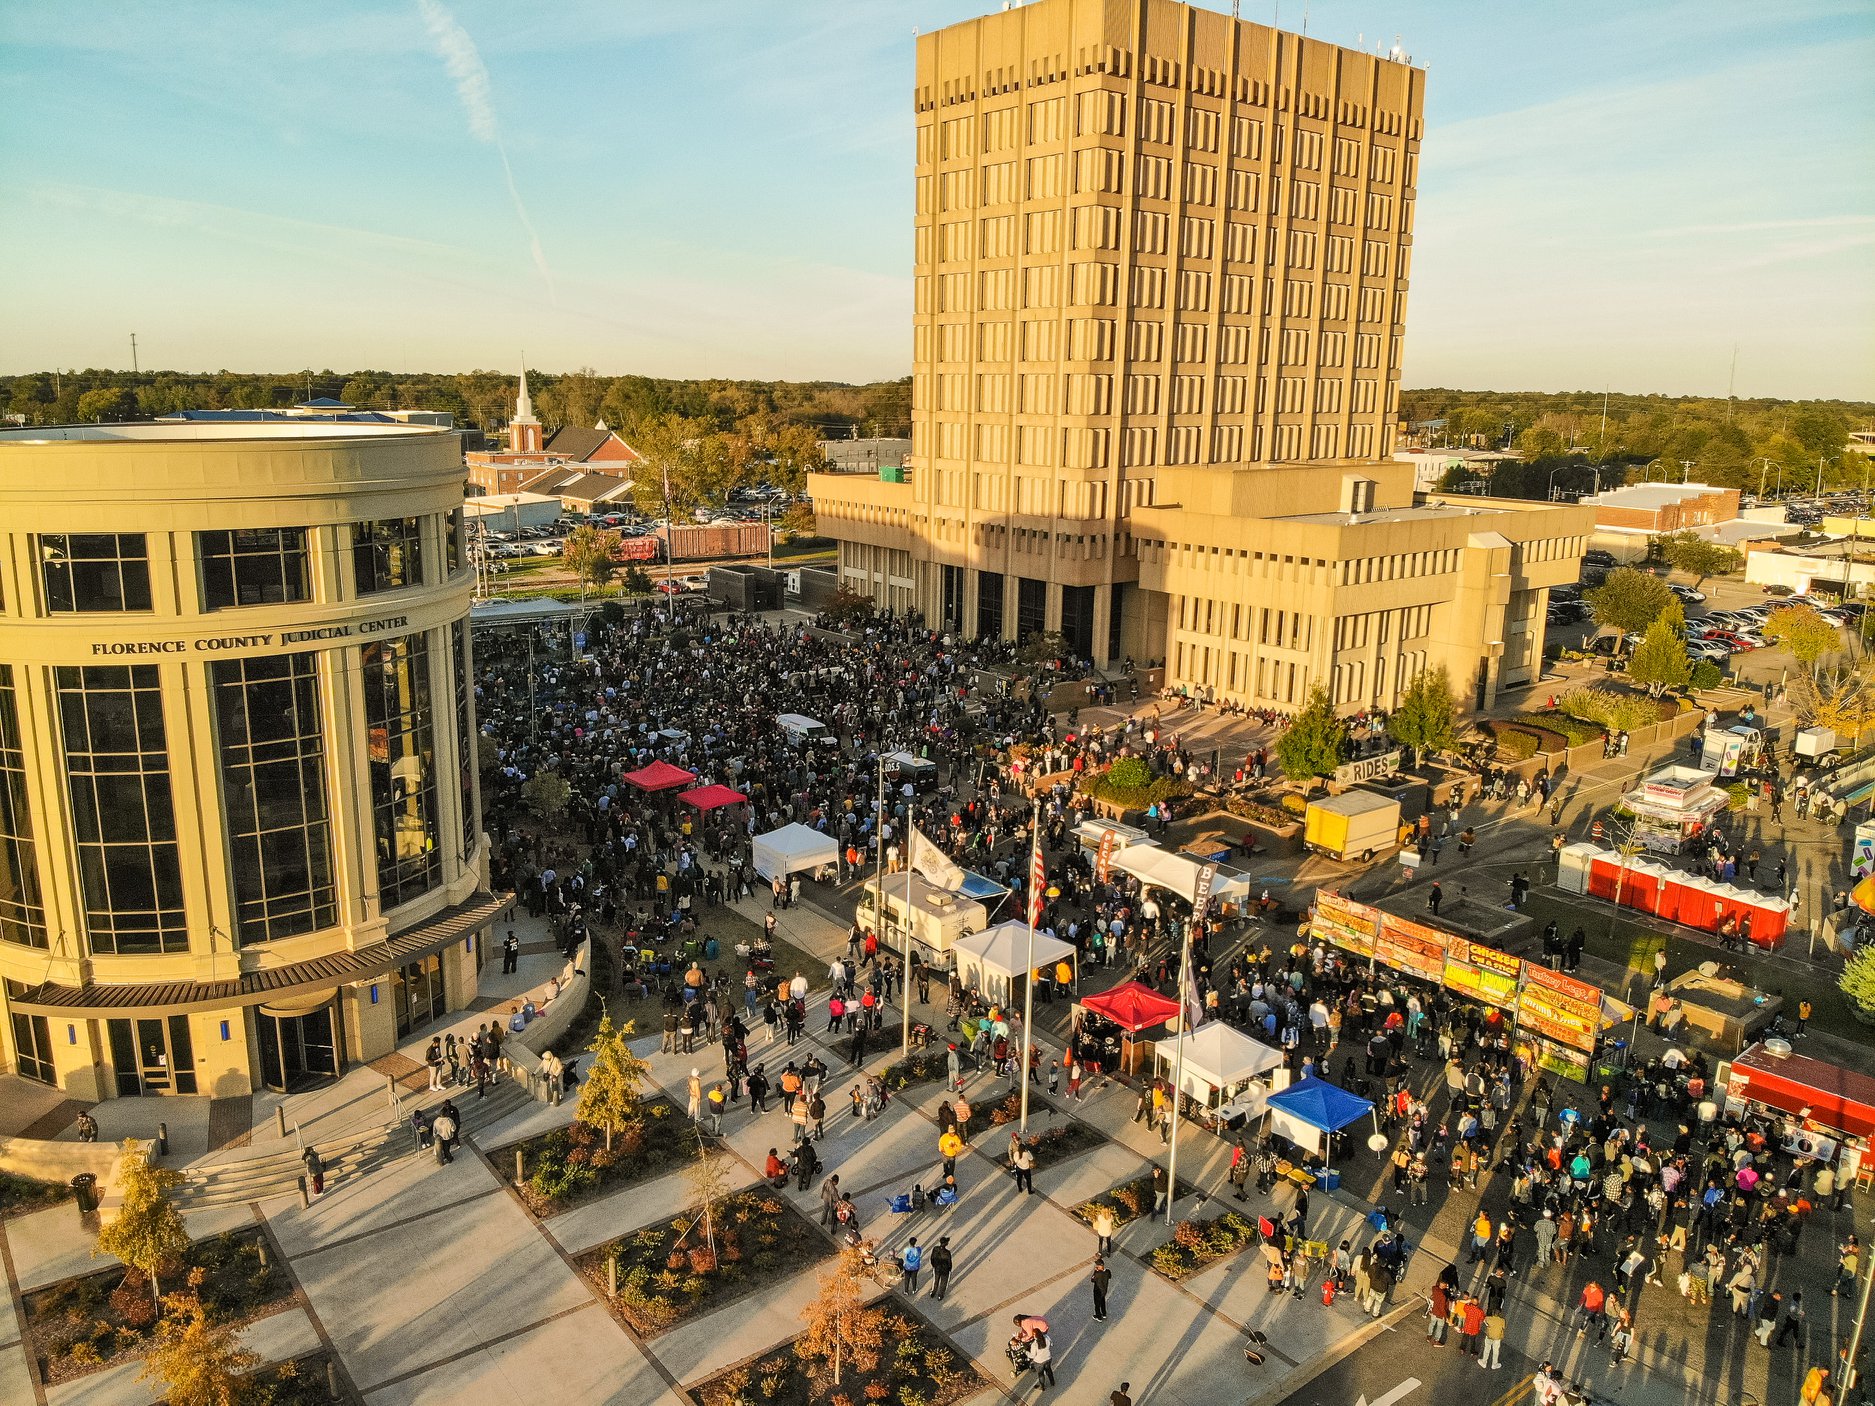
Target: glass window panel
pixel 22 902
pixel 94 571
pixel 387 554
pixel 465 736
pixel 272 746
pixel 117 770
pixel 253 566
pixel 401 757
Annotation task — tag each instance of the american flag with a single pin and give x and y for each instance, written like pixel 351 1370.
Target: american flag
pixel 1038 878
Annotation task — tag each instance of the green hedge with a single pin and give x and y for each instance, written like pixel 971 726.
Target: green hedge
pixel 1574 731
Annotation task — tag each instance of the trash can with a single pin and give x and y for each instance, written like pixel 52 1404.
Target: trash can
pixel 85 1188
pixel 1329 1180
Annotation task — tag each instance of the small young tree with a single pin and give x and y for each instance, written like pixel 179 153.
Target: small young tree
pixel 1426 719
pixel 636 581
pixel 198 1360
pixel 709 1184
pixel 591 555
pixel 1316 742
pixel 1660 660
pixel 1628 600
pixel 839 1324
pixel 609 1097
pixel 1807 635
pixel 547 795
pixel 147 1232
pixel 847 606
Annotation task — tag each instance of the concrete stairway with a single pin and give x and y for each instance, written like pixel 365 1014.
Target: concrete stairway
pixel 348 1154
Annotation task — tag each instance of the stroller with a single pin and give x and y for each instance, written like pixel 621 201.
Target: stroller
pixel 1019 1359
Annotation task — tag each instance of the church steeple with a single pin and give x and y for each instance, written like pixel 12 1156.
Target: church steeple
pixel 524 435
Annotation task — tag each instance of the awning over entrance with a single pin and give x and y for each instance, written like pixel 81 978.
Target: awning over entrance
pixel 274 986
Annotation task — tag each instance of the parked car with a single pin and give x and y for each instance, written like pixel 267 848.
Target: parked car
pixel 1687 594
pixel 1595 556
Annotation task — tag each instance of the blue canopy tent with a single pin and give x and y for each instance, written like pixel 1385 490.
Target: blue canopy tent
pixel 1310 1109
pixel 984 890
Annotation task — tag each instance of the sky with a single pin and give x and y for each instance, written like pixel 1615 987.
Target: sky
pixel 1621 194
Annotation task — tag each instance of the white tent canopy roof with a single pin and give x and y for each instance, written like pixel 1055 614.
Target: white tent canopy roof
pixel 1175 873
pixel 1220 1055
pixel 793 848
pixel 1004 950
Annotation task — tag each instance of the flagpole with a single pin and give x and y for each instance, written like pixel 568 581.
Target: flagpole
pixel 904 1047
pixel 1028 981
pixel 1178 1078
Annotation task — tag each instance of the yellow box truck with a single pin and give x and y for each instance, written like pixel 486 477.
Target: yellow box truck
pixel 1356 825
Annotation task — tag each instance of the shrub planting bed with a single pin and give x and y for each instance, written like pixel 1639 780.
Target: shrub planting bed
pixel 19 1195
pixel 1128 1201
pixel 912 1366
pixel 570 1166
pixel 80 1325
pixel 1198 1243
pixel 1058 1141
pixel 921 1067
pixel 667 1273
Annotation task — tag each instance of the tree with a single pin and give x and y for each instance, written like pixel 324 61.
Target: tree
pixel 609 1098
pixel 147 1232
pixel 1807 635
pixel 839 1324
pixel 199 1360
pixel 847 606
pixel 591 555
pixel 100 405
pixel 798 521
pixel 1316 742
pixel 1628 600
pixel 636 581
pixel 1697 557
pixel 1661 661
pixel 1858 980
pixel 708 1177
pixel 1426 718
pixel 547 795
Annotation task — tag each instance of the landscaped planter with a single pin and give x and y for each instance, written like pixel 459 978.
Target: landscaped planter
pixel 80 1325
pixel 18 1194
pixel 1197 1244
pixel 1128 1201
pixel 570 1166
pixel 667 1274
pixel 913 1367
pixel 1055 1143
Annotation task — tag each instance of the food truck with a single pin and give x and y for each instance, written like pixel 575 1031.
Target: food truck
pixel 1673 807
pixel 1354 825
pixel 938 917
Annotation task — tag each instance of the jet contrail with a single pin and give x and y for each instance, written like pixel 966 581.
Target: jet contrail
pixel 470 76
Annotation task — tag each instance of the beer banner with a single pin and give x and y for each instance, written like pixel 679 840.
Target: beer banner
pixel 1411 947
pixel 1344 923
pixel 1103 860
pixel 1482 973
pixel 1559 1007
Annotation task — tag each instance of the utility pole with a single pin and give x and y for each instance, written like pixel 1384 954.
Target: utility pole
pixel 1731 386
pixel 133 353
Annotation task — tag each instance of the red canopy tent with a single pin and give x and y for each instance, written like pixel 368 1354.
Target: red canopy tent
pixel 1133 1007
pixel 659 776
pixel 712 797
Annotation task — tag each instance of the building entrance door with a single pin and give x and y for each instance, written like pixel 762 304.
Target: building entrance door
pixel 152 1056
pixel 299 1043
pixel 417 993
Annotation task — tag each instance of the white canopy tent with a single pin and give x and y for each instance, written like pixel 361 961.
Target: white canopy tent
pixel 995 957
pixel 1178 873
pixel 1218 1061
pixel 791 849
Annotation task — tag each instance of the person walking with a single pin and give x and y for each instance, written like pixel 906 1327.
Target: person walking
pixel 1104 1226
pixel 1099 1280
pixel 910 1261
pixel 940 1267
pixel 1121 1397
pixel 1493 1354
pixel 1042 1357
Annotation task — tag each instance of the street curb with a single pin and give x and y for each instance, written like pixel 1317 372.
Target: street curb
pixel 1299 1378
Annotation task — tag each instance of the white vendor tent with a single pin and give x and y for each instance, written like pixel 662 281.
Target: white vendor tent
pixel 995 957
pixel 1218 1058
pixel 1177 873
pixel 793 848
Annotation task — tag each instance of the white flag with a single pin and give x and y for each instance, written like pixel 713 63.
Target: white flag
pixel 935 865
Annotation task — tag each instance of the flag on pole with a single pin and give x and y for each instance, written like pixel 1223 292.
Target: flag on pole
pixel 931 862
pixel 1190 998
pixel 1038 877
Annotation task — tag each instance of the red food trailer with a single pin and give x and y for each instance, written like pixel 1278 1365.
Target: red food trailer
pixel 1826 1112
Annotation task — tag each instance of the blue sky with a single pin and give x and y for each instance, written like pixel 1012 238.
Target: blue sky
pixel 1610 193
